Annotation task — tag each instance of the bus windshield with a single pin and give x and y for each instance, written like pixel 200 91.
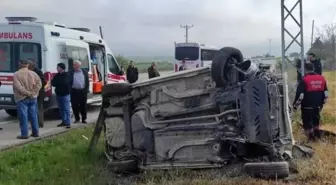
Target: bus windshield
pixel 187 53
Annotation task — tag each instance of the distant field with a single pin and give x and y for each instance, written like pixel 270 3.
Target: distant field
pixel 161 66
pixel 144 63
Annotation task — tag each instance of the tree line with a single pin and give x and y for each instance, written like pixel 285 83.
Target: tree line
pixel 324 46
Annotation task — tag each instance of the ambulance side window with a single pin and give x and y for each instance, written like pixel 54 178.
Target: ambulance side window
pixel 112 65
pixel 84 58
pixel 78 53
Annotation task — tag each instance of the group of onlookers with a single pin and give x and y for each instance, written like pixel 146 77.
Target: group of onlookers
pixel 71 89
pixel 29 85
pixel 132 73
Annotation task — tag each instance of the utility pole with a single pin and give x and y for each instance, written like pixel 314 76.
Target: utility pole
pixel 295 37
pixel 269 46
pixel 312 35
pixel 186 27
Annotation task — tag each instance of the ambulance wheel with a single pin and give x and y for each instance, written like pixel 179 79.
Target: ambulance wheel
pixel 116 89
pixel 220 64
pixel 11 112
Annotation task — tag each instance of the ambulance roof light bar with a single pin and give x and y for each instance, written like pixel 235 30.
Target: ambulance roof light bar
pixel 21 19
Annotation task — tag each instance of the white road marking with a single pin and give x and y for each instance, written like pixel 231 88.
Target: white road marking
pixel 6 122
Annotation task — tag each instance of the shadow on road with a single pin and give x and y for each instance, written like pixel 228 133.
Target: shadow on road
pixel 52 115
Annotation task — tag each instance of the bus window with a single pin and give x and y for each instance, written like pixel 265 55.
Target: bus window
pixel 187 53
pixel 207 54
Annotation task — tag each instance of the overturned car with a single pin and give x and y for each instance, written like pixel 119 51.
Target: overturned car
pixel 201 118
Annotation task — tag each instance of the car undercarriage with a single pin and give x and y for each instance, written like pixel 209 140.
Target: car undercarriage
pixel 230 113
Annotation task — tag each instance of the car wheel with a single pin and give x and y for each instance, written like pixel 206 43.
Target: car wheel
pixel 116 89
pixel 220 64
pixel 268 170
pixel 125 166
pixel 11 112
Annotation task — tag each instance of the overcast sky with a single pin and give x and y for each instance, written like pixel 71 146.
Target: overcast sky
pixel 150 27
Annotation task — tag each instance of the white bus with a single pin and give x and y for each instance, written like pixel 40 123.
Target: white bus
pixel 49 43
pixel 194 55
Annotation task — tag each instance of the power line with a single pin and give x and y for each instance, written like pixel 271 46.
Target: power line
pixel 312 34
pixel 269 46
pixel 333 15
pixel 186 27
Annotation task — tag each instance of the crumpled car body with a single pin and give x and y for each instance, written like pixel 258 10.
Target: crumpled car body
pixel 186 120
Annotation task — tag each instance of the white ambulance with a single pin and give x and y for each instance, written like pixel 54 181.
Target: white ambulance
pixel 49 44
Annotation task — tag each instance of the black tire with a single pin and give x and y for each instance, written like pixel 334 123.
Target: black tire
pixel 11 112
pixel 116 89
pixel 219 66
pixel 127 166
pixel 270 170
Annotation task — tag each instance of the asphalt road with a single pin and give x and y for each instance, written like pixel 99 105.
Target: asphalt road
pixel 5 119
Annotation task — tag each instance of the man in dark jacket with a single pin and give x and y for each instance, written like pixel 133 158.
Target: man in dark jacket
pixel 62 90
pixel 316 62
pixel 311 94
pixel 152 72
pixel 132 73
pixel 79 84
pixel 0 86
pixel 183 66
pixel 40 98
pixel 298 69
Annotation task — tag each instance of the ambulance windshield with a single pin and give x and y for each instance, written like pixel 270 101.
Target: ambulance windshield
pixel 113 65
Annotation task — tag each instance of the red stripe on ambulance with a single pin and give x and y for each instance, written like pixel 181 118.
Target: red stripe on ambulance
pixel 6 80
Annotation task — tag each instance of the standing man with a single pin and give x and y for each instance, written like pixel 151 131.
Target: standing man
pixel 316 62
pixel 0 86
pixel 79 83
pixel 183 66
pixel 132 73
pixel 62 90
pixel 311 94
pixel 40 97
pixel 26 87
pixel 298 70
pixel 152 71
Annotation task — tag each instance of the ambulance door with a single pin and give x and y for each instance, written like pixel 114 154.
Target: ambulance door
pixel 58 54
pixel 79 50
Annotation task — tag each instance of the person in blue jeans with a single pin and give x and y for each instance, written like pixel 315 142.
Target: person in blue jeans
pixel 62 89
pixel 26 87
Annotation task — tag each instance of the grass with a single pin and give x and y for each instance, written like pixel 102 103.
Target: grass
pixel 61 160
pixel 64 160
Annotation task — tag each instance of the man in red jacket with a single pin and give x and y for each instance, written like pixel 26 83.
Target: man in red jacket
pixel 311 94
